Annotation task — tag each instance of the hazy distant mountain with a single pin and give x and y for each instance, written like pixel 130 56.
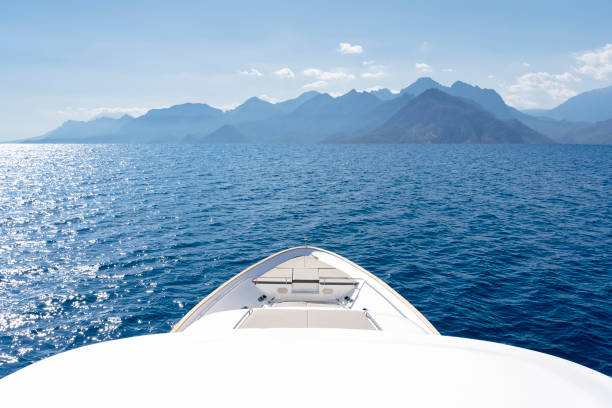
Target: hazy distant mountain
pixel 596 133
pixel 493 102
pixel 225 134
pixel 421 85
pixel 344 113
pixel 437 117
pixel 315 119
pixel 383 112
pixel 487 98
pixel 190 122
pixel 354 112
pixel 310 118
pixel 110 115
pixel 253 109
pixel 591 106
pixel 93 130
pixel 384 94
pixel 291 104
pixel 557 130
pixel 171 124
pixel 323 116
pixel 181 113
pixel 352 103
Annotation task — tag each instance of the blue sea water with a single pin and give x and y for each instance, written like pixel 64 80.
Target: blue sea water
pixel 505 243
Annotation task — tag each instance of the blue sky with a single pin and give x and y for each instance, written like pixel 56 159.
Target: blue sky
pixel 75 60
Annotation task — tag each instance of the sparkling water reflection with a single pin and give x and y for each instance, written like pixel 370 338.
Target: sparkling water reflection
pixel 503 243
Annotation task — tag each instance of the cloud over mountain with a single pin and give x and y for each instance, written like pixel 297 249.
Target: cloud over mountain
pixel 527 87
pixel 82 113
pixel 422 67
pixel 596 63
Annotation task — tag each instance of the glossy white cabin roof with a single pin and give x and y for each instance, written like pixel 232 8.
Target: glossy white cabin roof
pixel 304 367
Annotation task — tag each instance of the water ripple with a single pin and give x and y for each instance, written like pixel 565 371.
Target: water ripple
pixel 503 243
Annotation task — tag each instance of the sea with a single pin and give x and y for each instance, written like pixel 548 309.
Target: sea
pixel 506 243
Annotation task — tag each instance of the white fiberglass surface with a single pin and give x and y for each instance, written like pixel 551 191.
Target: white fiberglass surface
pixel 270 318
pixel 356 368
pixel 233 319
pixel 308 275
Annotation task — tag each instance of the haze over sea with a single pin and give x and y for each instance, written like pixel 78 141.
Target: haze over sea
pixel 509 243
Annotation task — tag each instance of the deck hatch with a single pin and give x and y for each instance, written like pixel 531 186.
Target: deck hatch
pixel 269 318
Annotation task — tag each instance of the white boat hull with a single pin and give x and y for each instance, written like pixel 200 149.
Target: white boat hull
pixel 249 343
pixel 350 287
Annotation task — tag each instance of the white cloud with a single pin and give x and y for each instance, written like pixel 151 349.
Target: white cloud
pixel 491 76
pixel 312 72
pixel 267 98
pixel 526 64
pixel 554 84
pixel 327 75
pixel 368 62
pixel 226 107
pixel 447 70
pixel 422 67
pixel 251 72
pixel 376 74
pixel 424 46
pixel 113 112
pixel 314 85
pixel 335 94
pixel 596 63
pixel 542 86
pixel 373 67
pixel 347 48
pixel 284 73
pixel 520 101
pixel 378 88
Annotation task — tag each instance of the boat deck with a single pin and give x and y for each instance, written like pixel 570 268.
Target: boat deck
pixel 304 282
pixel 305 287
pixel 304 368
pixel 306 318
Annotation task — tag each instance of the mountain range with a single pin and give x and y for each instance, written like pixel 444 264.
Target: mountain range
pixel 437 117
pixel 424 112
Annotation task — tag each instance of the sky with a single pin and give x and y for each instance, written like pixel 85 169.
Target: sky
pixel 78 60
